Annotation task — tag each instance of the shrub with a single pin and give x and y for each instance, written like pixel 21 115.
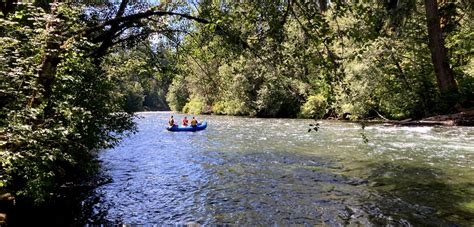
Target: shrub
pixel 219 108
pixel 315 107
pixel 178 94
pixel 195 106
pixel 231 107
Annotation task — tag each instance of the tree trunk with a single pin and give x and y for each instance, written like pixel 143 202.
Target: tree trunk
pixel 111 33
pixel 439 57
pixel 49 65
pixel 323 5
pixel 7 6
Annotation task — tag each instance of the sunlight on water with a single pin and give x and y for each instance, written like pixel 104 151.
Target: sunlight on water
pixel 272 171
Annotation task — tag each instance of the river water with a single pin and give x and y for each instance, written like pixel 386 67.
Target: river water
pixel 251 171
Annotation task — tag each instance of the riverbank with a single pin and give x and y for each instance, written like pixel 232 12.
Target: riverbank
pixel 464 118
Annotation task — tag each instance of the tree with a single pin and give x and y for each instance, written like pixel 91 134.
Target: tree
pixel 58 106
pixel 443 71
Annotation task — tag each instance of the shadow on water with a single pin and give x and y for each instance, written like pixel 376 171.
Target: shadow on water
pixel 281 188
pixel 71 207
pixel 419 195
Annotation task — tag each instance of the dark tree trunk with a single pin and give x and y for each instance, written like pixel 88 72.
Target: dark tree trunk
pixel 47 74
pixel 392 4
pixel 323 5
pixel 439 57
pixel 49 64
pixel 7 6
pixel 111 33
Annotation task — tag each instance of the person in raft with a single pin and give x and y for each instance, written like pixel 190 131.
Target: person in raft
pixel 171 121
pixel 185 121
pixel 194 122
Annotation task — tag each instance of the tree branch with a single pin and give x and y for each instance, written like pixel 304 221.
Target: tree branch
pixel 108 37
pixel 138 16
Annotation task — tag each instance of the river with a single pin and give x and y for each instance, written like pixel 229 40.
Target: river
pixel 250 171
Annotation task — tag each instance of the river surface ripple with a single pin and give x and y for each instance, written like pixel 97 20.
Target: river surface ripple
pixel 272 171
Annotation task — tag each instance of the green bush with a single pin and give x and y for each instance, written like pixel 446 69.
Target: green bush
pixel 315 107
pixel 236 107
pixel 195 106
pixel 219 108
pixel 231 107
pixel 177 94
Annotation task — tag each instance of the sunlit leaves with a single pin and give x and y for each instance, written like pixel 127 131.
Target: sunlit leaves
pixel 39 150
pixel 359 56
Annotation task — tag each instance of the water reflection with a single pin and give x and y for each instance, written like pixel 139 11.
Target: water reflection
pixel 271 171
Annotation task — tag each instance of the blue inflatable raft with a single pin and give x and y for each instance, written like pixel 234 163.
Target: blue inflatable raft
pixel 180 128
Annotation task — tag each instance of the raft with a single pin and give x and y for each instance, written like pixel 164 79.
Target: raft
pixel 180 128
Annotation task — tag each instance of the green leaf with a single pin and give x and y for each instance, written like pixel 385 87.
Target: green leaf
pixel 18 16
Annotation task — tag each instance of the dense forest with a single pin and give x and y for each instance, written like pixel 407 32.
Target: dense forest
pixel 73 74
pixel 318 60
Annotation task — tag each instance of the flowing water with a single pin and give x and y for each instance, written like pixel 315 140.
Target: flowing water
pixel 273 171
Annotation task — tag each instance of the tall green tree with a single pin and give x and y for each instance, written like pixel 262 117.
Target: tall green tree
pixel 439 55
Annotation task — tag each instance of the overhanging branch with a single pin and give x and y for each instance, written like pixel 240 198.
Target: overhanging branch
pixel 138 16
